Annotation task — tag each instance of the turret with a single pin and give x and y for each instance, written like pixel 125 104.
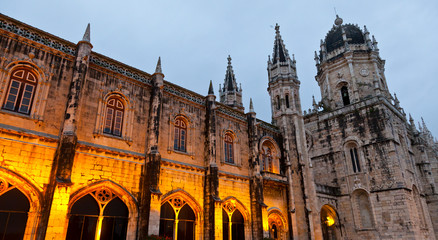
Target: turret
pixel 231 94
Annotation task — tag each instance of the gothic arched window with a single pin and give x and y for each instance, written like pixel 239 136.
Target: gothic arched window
pixel 177 220
pixel 14 207
pixel 21 90
pixel 229 150
pixel 345 96
pixel 98 215
pixel 233 222
pixel 115 110
pixel 180 137
pixel 278 102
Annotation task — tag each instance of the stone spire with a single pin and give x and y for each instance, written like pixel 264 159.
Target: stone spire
pixel 210 89
pixel 251 106
pixel 158 68
pixel 280 53
pixel 231 94
pixel 86 37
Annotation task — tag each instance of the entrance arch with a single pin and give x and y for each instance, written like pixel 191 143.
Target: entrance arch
pixel 329 222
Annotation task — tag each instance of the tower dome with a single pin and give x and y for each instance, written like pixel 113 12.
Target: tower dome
pixel 334 38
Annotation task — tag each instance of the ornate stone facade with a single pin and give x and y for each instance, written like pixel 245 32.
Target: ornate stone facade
pixel 95 149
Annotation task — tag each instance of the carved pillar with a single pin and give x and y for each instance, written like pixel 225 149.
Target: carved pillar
pixel 60 175
pixel 211 190
pixel 150 203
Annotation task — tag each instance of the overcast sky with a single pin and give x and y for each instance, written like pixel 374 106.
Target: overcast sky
pixel 194 39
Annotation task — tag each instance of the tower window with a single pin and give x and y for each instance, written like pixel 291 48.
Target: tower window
pixel 278 102
pixel 345 96
pixel 21 91
pixel 287 100
pixel 355 160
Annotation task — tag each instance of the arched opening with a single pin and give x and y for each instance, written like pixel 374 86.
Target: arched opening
pixel 233 222
pixel 277 225
pixel 277 99
pixel 363 210
pixel 21 89
pixel 98 215
pixel 274 231
pixel 269 157
pixel 14 208
pixel 180 136
pixel 114 113
pixel 287 100
pixel 229 149
pixel 177 220
pixel 345 96
pixel 329 221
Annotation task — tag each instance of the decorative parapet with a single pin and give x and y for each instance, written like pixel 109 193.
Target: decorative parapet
pixel 268 126
pixel 126 72
pixel 229 112
pixel 37 37
pixel 329 190
pixel 184 94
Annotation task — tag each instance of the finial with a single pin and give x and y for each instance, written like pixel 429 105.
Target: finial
pixel 396 101
pixel 316 58
pixel 277 28
pixel 293 58
pixel 210 89
pixel 220 88
pixel 365 29
pixel 375 44
pixel 229 60
pixel 315 106
pixel 158 68
pixel 338 20
pixel 251 106
pixel 86 37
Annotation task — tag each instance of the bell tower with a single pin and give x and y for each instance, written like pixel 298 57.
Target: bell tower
pixel 283 81
pixel 287 116
pixel 349 66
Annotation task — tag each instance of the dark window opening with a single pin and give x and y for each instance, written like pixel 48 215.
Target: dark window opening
pixel 355 160
pixel 14 207
pixel 278 102
pixel 345 96
pixel 185 228
pixel 287 101
pixel 228 145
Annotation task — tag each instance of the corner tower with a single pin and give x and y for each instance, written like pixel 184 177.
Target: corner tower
pixel 286 115
pixel 283 81
pixel 231 94
pixel 349 66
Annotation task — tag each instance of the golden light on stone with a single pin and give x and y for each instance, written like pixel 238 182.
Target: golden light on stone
pixel 330 221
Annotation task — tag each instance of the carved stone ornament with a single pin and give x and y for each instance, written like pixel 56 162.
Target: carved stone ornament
pixel 364 72
pixel 103 195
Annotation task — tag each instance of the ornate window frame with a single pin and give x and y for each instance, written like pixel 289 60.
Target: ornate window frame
pixel 230 205
pixel 40 94
pixel 127 121
pixel 275 154
pixel 189 134
pixel 235 146
pixel 275 217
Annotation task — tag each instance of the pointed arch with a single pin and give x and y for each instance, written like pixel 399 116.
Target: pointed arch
pixel 104 193
pixel 329 222
pixel 269 154
pixel 236 219
pixel 191 201
pixel 10 180
pixel 418 205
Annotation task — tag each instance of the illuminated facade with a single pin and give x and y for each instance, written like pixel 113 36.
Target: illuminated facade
pixel 94 149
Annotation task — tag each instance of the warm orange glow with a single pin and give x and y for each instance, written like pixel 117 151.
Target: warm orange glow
pixel 330 221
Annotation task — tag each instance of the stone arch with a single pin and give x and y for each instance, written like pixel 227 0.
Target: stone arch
pixel 191 201
pixel 232 202
pixel 239 205
pixel 362 209
pixel 277 219
pixel 32 193
pixel 329 222
pixel 418 205
pixel 127 198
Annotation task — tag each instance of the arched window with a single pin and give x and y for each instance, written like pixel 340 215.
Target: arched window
pixel 233 222
pixel 355 160
pixel 177 220
pixel 114 116
pixel 14 207
pixel 98 215
pixel 287 100
pixel 269 157
pixel 21 90
pixel 276 225
pixel 345 96
pixel 229 150
pixel 329 220
pixel 363 209
pixel 278 102
pixel 180 137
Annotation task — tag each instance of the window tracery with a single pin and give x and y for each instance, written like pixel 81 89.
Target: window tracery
pixel 177 219
pixel 233 221
pixel 114 113
pixel 229 148
pixel 270 156
pixel 180 135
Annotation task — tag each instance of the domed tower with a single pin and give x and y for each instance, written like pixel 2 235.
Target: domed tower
pixel 349 66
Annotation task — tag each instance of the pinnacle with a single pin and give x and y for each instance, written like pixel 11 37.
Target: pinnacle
pixel 210 89
pixel 158 68
pixel 86 37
